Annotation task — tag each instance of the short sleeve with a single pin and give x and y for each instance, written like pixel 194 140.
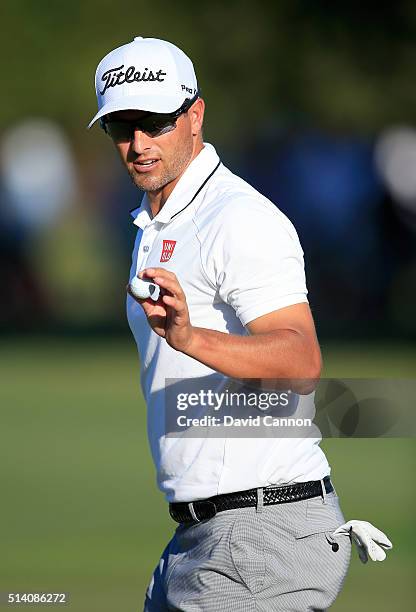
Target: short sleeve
pixel 257 260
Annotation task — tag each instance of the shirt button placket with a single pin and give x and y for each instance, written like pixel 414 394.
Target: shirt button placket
pixel 149 235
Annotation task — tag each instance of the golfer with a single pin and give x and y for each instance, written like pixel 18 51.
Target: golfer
pixel 255 515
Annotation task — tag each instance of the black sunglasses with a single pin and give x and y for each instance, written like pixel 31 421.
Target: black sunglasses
pixel 154 124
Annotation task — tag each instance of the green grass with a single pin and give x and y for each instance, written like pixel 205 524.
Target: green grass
pixel 80 511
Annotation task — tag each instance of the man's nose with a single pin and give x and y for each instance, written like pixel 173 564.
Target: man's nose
pixel 140 141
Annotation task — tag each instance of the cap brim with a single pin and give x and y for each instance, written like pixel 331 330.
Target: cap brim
pixel 152 104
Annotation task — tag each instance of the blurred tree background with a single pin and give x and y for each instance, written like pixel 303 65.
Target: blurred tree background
pixel 332 64
pixel 312 102
pixel 300 96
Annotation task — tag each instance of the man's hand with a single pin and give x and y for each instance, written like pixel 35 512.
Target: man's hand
pixel 169 316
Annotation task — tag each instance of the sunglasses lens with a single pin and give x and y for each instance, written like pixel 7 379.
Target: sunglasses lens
pixel 120 131
pixel 154 125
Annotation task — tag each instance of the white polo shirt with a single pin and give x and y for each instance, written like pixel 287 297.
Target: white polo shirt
pixel 237 257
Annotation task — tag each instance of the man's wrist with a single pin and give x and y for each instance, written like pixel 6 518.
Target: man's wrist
pixel 191 348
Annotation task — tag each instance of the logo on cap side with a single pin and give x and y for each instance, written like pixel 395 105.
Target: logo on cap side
pixel 116 76
pixel 189 90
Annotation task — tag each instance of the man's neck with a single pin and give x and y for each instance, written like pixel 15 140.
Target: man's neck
pixel 158 198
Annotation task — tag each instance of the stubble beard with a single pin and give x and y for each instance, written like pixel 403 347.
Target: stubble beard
pixel 170 171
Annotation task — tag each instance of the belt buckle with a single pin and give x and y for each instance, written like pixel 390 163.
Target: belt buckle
pixel 203 505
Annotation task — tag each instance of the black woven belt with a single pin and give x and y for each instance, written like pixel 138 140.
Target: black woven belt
pixel 201 510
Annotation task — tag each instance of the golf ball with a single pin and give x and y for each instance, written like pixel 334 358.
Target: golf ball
pixel 143 289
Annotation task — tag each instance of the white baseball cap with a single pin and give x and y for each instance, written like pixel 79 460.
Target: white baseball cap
pixel 146 74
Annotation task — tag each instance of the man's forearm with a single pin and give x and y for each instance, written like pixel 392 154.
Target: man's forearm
pixel 282 353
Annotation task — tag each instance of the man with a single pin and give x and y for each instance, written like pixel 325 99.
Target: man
pixel 255 515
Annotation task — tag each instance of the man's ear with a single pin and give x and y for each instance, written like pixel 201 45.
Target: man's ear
pixel 197 116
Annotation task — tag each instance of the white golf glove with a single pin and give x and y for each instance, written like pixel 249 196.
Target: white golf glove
pixel 370 541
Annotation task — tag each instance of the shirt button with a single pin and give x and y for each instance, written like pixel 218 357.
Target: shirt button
pixel 146 248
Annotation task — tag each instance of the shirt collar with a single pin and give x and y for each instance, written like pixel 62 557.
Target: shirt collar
pixel 142 215
pixel 194 176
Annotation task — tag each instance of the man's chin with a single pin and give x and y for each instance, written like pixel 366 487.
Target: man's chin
pixel 146 183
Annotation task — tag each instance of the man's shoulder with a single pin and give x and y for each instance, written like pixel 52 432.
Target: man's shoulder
pixel 229 193
pixel 232 201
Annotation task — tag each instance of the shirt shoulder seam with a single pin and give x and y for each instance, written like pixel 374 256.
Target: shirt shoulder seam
pixel 203 270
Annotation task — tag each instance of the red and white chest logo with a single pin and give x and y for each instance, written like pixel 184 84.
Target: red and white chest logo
pixel 167 250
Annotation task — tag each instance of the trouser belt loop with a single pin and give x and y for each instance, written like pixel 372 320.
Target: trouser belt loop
pixel 192 511
pixel 323 491
pixel 259 504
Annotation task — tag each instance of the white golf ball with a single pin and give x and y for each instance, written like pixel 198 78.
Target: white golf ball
pixel 143 289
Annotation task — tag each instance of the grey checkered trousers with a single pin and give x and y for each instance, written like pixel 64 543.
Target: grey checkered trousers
pixel 279 557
